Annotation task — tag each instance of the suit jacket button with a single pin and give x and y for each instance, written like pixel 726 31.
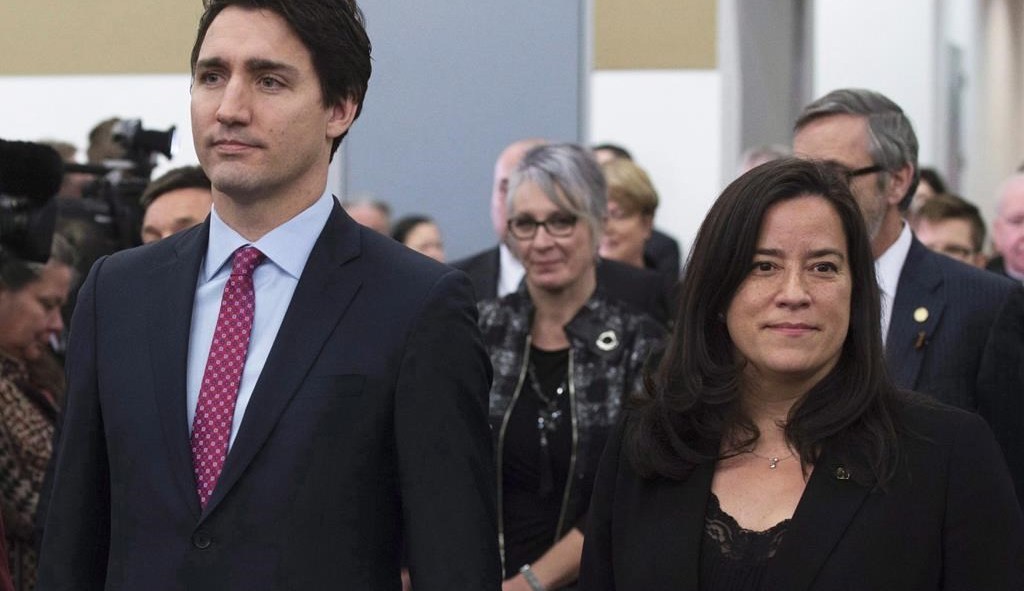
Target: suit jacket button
pixel 201 540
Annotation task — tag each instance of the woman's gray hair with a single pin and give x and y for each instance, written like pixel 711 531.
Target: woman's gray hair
pixel 570 177
pixel 892 142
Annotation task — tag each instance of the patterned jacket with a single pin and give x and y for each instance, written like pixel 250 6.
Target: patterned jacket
pixel 609 343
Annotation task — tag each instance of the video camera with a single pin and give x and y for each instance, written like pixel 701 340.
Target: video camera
pixel 30 175
pixel 110 204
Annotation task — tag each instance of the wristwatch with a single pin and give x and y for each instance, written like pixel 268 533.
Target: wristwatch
pixel 531 579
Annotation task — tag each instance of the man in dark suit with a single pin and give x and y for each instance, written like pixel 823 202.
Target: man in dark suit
pixel 496 272
pixel 943 321
pixel 278 398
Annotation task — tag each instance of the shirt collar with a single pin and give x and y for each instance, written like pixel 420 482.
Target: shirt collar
pixel 890 264
pixel 287 246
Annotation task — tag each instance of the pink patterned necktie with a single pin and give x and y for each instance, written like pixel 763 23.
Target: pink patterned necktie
pixel 211 428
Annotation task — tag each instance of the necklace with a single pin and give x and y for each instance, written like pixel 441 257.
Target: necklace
pixel 548 415
pixel 773 461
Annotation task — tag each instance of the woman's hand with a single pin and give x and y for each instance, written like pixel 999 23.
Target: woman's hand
pixel 516 583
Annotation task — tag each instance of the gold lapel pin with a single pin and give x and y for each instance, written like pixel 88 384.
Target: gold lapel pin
pixel 921 314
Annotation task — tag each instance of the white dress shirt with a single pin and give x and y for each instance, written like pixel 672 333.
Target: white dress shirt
pixel 887 270
pixel 510 271
pixel 287 248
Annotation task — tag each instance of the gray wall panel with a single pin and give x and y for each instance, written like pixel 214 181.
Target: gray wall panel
pixel 453 83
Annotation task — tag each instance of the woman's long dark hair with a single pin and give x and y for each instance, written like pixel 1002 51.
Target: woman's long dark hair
pixel 691 399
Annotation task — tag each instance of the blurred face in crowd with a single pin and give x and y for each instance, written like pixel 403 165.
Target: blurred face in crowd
pixel 175 211
pixel 369 216
pixel 30 316
pixel 951 237
pixel 790 316
pixel 507 162
pixel 425 238
pixel 625 233
pixel 1008 229
pixel 260 127
pixel 557 257
pixel 843 140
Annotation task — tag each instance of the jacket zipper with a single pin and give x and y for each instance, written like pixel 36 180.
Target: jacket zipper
pixel 572 457
pixel 501 450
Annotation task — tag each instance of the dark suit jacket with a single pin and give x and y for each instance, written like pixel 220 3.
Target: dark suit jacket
pixel 948 520
pixel 644 290
pixel 962 353
pixel 367 428
pixel 662 253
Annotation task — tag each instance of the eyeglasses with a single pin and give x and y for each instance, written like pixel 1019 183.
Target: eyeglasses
pixel 848 175
pixel 558 225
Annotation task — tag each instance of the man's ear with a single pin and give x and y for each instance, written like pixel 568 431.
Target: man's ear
pixel 899 183
pixel 342 114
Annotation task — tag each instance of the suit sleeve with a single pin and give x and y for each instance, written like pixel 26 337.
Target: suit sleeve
pixel 76 536
pixel 983 540
pixel 596 568
pixel 445 461
pixel 1000 385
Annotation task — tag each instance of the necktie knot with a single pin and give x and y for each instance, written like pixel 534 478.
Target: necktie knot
pixel 245 261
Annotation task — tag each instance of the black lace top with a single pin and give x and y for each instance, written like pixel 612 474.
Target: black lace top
pixel 733 558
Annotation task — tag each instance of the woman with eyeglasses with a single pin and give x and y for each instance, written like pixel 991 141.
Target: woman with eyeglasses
pixel 632 202
pixel 564 359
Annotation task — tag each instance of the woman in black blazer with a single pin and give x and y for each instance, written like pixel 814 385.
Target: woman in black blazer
pixel 770 450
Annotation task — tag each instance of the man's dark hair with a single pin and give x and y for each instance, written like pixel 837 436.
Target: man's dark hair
pixel 616 149
pixel 185 177
pixel 892 142
pixel 953 207
pixel 333 31
pixel 691 398
pixel 934 180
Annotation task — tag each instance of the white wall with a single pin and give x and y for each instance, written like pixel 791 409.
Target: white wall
pixel 884 45
pixel 67 107
pixel 671 122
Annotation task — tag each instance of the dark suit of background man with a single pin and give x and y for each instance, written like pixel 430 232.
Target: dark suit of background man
pixel 360 422
pixel 950 330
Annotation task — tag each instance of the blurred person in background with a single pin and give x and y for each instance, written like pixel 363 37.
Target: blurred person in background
pixel 951 225
pixel 564 358
pixel 661 252
pixel 632 201
pixel 421 234
pixel 758 155
pixel 31 390
pixel 929 185
pixel 372 213
pixel 1008 229
pixel 177 200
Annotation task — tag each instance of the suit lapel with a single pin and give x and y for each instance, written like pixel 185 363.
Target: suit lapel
pixel 829 503
pixel 324 291
pixel 915 315
pixel 170 321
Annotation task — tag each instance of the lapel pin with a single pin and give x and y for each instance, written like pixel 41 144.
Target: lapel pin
pixel 607 340
pixel 920 342
pixel 921 314
pixel 842 473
